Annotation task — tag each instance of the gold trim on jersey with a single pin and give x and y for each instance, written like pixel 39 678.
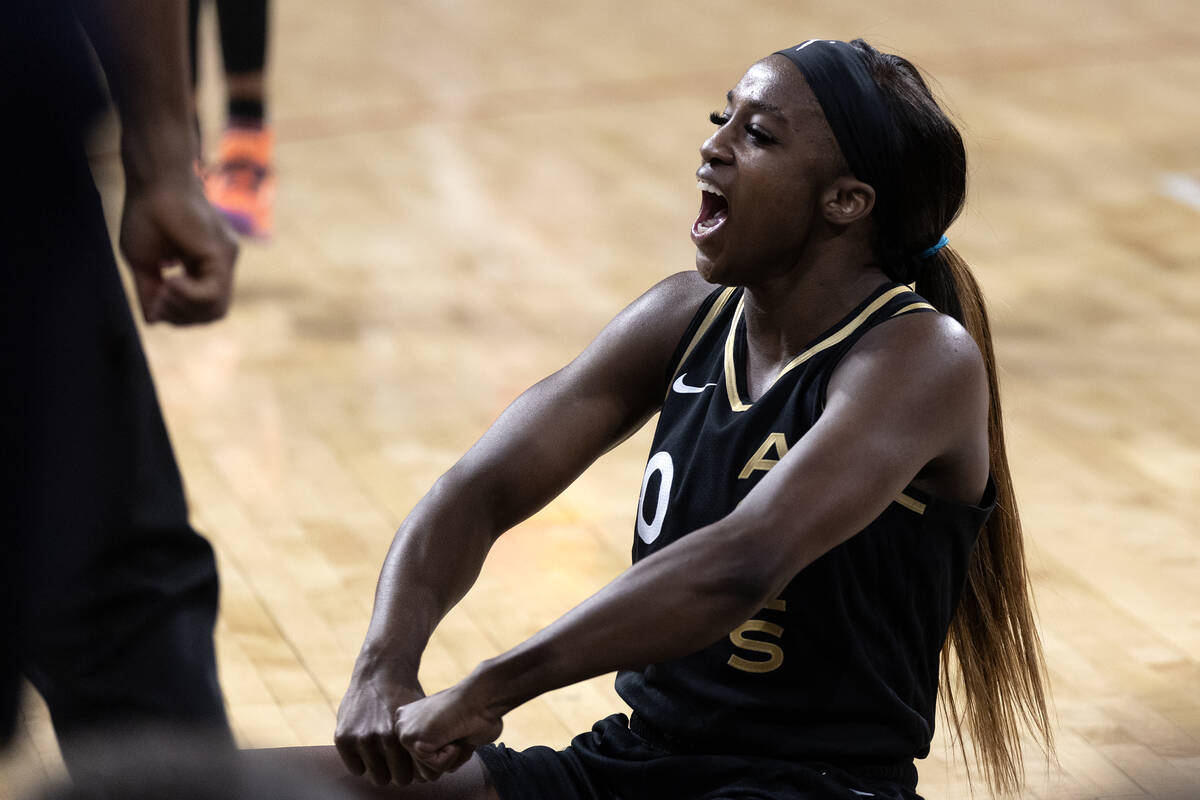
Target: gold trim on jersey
pixel 913 307
pixel 911 503
pixel 735 400
pixel 705 324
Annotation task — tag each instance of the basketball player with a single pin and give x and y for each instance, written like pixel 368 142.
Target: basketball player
pixel 826 502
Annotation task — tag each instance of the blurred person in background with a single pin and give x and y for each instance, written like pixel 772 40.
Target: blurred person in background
pixel 108 595
pixel 170 764
pixel 241 182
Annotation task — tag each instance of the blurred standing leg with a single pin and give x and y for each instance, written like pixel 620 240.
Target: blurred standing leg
pixel 242 181
pixel 110 596
pixel 122 594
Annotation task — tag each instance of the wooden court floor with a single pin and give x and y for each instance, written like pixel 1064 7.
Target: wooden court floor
pixel 469 190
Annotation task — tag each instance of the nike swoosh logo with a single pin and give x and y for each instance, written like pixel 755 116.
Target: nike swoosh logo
pixel 683 388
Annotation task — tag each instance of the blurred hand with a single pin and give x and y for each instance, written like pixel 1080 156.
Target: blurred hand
pixel 441 732
pixel 365 736
pixel 179 249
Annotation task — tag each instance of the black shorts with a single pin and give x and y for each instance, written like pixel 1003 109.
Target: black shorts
pixel 611 762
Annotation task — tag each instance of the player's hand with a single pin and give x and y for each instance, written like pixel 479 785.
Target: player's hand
pixel 180 250
pixel 441 731
pixel 365 736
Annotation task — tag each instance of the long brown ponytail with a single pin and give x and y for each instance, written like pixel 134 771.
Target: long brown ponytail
pixel 993 671
pixel 993 640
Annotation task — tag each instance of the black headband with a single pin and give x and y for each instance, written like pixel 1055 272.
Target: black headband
pixel 854 107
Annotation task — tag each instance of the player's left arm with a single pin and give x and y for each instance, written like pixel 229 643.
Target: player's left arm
pixel 911 398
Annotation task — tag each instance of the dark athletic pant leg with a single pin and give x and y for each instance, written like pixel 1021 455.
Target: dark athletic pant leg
pixel 193 41
pixel 114 624
pixel 243 31
pixel 243 28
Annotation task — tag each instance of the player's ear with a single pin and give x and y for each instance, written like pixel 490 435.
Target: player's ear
pixel 847 200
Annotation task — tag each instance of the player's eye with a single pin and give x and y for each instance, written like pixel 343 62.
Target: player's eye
pixel 759 134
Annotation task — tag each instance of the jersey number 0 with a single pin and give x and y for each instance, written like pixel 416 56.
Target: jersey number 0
pixel 660 464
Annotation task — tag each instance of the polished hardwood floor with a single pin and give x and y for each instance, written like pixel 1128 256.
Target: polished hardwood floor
pixel 469 190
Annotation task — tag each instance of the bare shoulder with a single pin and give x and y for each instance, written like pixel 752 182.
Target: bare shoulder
pixel 674 299
pixel 652 324
pixel 662 311
pixel 922 356
pixel 918 385
pixel 936 341
pixel 631 355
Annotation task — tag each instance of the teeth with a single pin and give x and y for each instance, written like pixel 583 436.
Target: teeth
pixel 705 186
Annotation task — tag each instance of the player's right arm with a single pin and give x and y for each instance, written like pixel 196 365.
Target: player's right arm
pixel 166 219
pixel 536 448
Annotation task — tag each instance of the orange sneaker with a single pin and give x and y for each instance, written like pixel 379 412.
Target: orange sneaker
pixel 241 185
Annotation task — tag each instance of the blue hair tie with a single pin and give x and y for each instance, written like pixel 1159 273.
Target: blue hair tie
pixel 931 252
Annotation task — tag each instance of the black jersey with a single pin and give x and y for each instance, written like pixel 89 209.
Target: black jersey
pixel 842 667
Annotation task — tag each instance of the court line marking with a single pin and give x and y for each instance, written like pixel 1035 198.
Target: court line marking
pixel 1182 187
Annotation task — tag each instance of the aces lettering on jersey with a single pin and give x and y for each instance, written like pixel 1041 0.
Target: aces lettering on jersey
pixel 660 473
pixel 757 640
pixel 753 637
pixel 775 443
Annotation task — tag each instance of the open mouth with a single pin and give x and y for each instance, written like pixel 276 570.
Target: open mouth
pixel 714 208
